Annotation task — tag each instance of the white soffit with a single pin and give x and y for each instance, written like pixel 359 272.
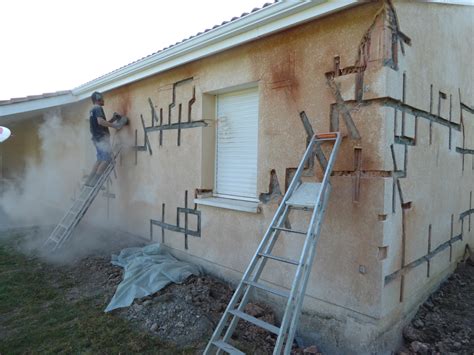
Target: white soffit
pixel 42 103
pixel 450 2
pixel 268 20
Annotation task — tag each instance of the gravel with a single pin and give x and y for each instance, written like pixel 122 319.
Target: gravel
pixel 444 324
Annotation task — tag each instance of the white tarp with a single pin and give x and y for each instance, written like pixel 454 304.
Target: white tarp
pixel 147 270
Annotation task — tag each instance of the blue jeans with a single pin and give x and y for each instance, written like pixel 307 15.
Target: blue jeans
pixel 103 149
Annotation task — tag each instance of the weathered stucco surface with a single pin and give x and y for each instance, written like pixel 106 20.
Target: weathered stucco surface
pixel 13 157
pixel 399 215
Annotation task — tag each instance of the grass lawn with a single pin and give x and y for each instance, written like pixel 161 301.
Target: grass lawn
pixel 36 317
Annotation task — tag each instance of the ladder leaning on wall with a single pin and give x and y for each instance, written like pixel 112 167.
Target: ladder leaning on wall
pixel 73 216
pixel 299 196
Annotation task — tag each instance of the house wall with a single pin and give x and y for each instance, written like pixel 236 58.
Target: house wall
pixel 397 199
pixel 433 200
pixel 412 75
pixel 22 146
pixel 41 164
pixel 289 70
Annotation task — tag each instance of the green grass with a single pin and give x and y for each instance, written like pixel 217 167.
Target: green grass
pixel 36 318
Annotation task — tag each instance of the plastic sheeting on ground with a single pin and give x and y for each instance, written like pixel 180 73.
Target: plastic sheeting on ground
pixel 147 270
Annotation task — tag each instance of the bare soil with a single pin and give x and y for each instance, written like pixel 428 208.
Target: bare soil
pixel 183 315
pixel 444 324
pixel 186 314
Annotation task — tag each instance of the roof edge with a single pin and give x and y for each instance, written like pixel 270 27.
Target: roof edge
pixel 273 18
pixel 36 103
pixel 451 2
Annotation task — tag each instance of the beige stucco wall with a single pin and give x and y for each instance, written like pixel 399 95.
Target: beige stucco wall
pixel 22 146
pixel 439 178
pixel 289 71
pixel 350 302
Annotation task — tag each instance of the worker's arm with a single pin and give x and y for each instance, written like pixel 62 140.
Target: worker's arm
pixel 103 122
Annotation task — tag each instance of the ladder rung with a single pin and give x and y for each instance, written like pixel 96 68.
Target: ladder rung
pixel 329 135
pixel 301 208
pixel 279 258
pixel 51 239
pixel 268 289
pixel 256 321
pixel 54 236
pixel 308 206
pixel 87 194
pixel 67 218
pixel 289 230
pixel 227 347
pixel 57 235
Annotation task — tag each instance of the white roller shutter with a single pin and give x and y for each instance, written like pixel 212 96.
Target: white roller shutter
pixel 236 144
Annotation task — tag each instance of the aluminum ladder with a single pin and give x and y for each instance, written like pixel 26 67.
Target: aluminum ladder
pixel 73 216
pixel 299 196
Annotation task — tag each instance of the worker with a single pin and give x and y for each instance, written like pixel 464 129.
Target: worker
pixel 99 127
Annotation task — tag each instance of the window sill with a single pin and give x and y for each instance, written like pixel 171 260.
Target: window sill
pixel 230 204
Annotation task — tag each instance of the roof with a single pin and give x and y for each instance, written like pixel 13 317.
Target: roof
pixel 182 41
pixel 260 22
pixel 34 97
pixel 30 104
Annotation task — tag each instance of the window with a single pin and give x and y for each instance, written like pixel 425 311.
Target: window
pixel 237 145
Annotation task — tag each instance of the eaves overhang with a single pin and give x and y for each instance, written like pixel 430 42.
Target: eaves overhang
pixel 268 20
pixel 14 107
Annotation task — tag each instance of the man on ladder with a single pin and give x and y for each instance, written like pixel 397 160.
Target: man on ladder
pixel 99 127
pixel 104 165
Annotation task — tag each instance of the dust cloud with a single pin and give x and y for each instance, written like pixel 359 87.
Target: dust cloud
pixel 41 194
pixel 40 197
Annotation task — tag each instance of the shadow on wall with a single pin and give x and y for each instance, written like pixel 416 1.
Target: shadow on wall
pixel 40 196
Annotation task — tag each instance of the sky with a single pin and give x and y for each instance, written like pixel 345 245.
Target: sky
pixel 54 45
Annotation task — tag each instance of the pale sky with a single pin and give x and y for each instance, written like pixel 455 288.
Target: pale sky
pixel 53 45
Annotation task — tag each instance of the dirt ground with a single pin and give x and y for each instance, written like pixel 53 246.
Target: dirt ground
pixel 186 314
pixel 444 324
pixel 182 314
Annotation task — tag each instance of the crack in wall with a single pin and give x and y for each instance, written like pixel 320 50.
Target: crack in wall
pixel 178 227
pixel 146 145
pixel 403 107
pixel 428 262
pixel 169 126
pixel 317 150
pixel 309 168
pixel 365 173
pixel 426 258
pixel 274 191
pixel 467 108
pixel 385 32
pixel 373 49
pixel 342 109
